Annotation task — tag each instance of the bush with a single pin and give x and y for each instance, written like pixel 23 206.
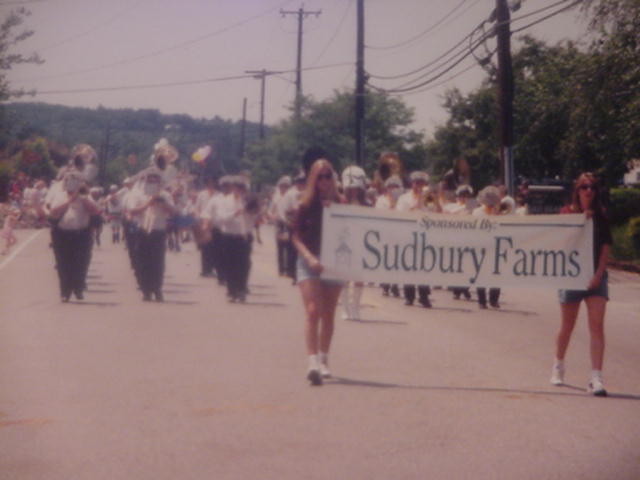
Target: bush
pixel 624 204
pixel 633 235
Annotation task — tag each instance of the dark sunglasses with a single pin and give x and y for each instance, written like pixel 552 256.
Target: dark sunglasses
pixel 587 187
pixel 325 176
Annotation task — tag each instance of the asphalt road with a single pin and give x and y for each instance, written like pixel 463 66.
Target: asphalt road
pixel 197 388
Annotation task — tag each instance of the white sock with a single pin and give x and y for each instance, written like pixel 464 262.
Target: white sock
pixel 324 358
pixel 313 362
pixel 596 374
pixel 558 363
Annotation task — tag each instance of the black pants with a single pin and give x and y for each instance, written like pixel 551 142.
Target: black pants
pixel 423 293
pixel 237 263
pixel 72 253
pixel 217 256
pixel 494 296
pixel 207 259
pixel 150 260
pixel 281 246
pixel 132 240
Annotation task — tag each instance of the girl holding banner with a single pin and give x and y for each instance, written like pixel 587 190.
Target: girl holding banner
pixel 586 199
pixel 319 296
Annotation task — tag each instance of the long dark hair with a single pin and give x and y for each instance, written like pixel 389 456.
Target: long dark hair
pixel 310 194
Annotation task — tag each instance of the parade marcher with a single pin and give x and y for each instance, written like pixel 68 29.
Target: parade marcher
pixel 156 207
pixel 464 195
pixel 392 189
pixel 290 204
pixel 70 208
pixel 354 186
pixel 70 211
pixel 587 199
pixel 113 210
pixel 277 214
pixel 415 200
pixel 132 223
pixel 236 247
pixel 320 296
pixel 205 236
pixel 489 198
pixel 96 222
pixel 10 222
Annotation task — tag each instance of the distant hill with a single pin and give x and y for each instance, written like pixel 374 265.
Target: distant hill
pixel 118 133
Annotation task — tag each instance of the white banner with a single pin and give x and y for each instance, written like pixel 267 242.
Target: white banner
pixel 382 246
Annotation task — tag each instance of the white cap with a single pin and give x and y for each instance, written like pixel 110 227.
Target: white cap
pixel 354 177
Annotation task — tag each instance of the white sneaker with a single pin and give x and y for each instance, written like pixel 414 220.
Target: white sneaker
pixel 557 374
pixel 596 387
pixel 324 371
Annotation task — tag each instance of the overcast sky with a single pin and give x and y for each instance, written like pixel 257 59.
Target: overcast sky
pixel 91 44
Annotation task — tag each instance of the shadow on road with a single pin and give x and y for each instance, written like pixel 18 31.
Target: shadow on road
pixel 375 322
pixel 94 304
pixel 92 290
pixel 260 304
pixel 574 391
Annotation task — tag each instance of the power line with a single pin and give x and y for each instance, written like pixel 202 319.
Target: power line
pixel 553 14
pixel 403 88
pixel 181 83
pixel 335 33
pixel 166 49
pixel 419 35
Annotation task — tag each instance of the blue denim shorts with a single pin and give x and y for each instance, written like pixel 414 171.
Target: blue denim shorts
pixel 576 296
pixel 303 272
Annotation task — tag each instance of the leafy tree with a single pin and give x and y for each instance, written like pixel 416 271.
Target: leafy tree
pixel 330 124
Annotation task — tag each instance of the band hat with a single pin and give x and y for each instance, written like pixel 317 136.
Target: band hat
pixel 393 181
pixel 300 178
pixel 464 190
pixel 489 196
pixel 354 177
pixel 507 206
pixel 419 176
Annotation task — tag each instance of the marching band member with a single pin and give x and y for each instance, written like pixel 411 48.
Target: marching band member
pixel 113 207
pixel 206 243
pixel 231 213
pixel 277 214
pixel 71 211
pixel 489 198
pixel 156 206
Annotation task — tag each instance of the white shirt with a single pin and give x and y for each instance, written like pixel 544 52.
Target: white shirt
pixel 155 217
pixel 409 201
pixel 201 201
pixel 383 202
pixel 230 221
pixel 77 215
pixel 210 210
pixel 290 203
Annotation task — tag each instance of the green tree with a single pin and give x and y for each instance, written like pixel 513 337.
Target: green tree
pixel 330 125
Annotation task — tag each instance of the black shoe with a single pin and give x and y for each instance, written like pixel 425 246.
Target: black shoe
pixel 408 302
pixel 395 291
pixel 456 296
pixel 159 296
pixel 314 377
pixel 467 295
pixel 146 297
pixel 78 294
pixel 494 304
pixel 483 306
pixel 426 303
pixel 65 298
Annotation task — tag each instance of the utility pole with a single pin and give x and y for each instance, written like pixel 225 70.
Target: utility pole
pixel 102 169
pixel 243 127
pixel 360 84
pixel 302 14
pixel 262 76
pixel 505 94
